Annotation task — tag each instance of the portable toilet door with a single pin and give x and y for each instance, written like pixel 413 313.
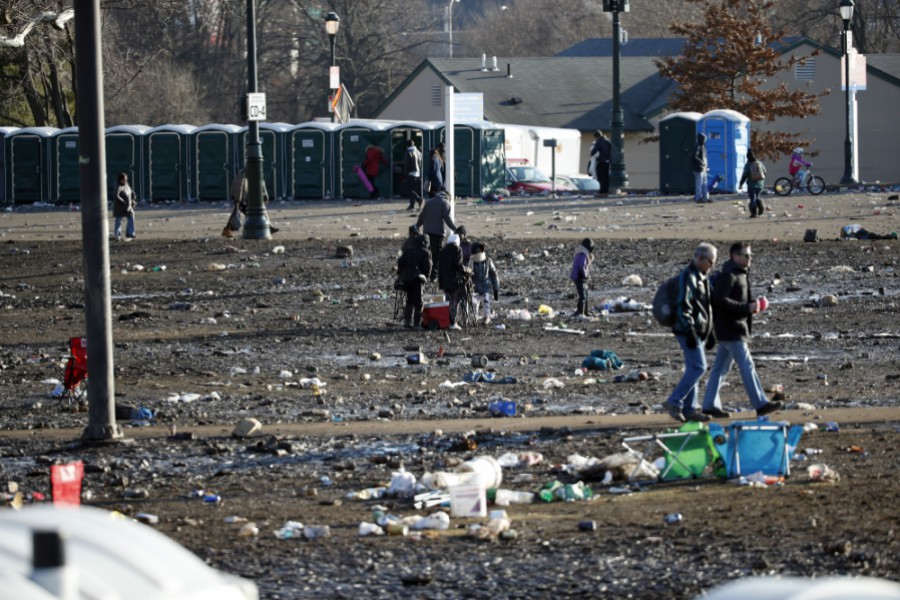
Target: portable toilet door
pixel 214 160
pixel 272 137
pixel 492 171
pixel 677 140
pixel 312 150
pixel 169 165
pixel 465 157
pixel 401 132
pixel 65 171
pixel 4 131
pixel 29 164
pixel 727 140
pixel 124 154
pixel 352 140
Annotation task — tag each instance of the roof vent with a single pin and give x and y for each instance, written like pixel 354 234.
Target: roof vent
pixel 484 62
pixel 516 100
pixel 509 71
pixel 494 68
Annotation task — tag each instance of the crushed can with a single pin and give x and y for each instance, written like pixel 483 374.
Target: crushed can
pixel 673 518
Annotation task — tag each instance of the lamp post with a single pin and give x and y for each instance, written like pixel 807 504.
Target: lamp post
pixel 618 178
pixel 846 8
pixel 450 28
pixel 332 24
pixel 256 225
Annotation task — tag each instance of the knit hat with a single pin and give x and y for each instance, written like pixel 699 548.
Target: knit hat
pixel 453 239
pixel 588 243
pixel 413 230
pixel 461 230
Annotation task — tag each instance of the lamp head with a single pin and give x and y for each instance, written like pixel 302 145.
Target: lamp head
pixel 846 8
pixel 332 23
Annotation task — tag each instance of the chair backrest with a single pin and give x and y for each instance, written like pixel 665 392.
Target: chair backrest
pixel 78 347
pixel 757 446
pixel 689 453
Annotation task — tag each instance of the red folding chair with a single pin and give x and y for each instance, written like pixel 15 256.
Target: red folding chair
pixel 76 370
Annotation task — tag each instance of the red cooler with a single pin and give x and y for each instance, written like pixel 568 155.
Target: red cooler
pixel 436 315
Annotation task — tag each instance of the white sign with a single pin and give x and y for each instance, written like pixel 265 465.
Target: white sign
pixel 468 108
pixel 334 77
pixel 256 107
pixel 857 71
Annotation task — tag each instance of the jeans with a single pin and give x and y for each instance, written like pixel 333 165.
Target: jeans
pixel 701 189
pixel 129 228
pixel 436 243
pixel 728 353
pixel 687 390
pixel 485 301
pixel 413 187
pixel 581 288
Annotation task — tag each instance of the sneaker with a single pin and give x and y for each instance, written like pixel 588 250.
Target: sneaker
pixel 273 229
pixel 130 238
pixel 487 320
pixel 455 327
pixel 709 200
pixel 674 412
pixel 227 233
pixel 697 416
pixel 716 413
pixel 769 408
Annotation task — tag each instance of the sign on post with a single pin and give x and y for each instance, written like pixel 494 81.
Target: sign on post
pixel 256 106
pixel 468 108
pixel 334 77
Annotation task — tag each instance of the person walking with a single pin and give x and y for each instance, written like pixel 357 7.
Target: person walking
pixel 700 167
pixel 693 329
pixel 601 152
pixel 240 198
pixel 432 218
pixel 452 276
pixel 755 176
pixel 413 268
pixel 412 167
pixel 734 307
pixel 580 273
pixel 371 164
pixel 484 279
pixel 436 173
pixel 123 208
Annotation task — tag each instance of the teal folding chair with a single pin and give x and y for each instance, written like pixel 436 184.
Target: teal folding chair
pixel 749 447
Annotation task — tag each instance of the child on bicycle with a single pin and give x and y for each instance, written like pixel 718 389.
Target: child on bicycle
pixel 485 279
pixel 797 165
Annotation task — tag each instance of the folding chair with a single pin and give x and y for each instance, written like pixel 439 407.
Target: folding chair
pixel 756 446
pixel 688 452
pixel 76 370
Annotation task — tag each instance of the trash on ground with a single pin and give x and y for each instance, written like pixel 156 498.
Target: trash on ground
pixel 822 472
pixel 563 330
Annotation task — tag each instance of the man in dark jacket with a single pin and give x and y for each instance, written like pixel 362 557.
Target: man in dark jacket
pixel 434 215
pixel 601 151
pixel 412 168
pixel 734 308
pixel 693 329
pixel 413 268
pixel 700 166
pixel 452 276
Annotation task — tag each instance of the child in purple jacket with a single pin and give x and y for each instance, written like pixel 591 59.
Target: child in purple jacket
pixel 581 266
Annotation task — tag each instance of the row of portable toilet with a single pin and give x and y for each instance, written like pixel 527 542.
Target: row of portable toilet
pixel 311 160
pixel 727 141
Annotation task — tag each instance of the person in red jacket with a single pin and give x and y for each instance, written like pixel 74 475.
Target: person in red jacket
pixel 372 165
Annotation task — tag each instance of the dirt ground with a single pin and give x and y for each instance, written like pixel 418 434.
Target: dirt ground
pixel 232 328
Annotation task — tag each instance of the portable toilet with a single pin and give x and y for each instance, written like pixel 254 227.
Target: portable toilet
pixel 125 154
pixel 4 131
pixel 28 164
pixel 727 141
pixel 65 171
pixel 273 137
pixel 312 167
pixel 215 158
pixel 168 163
pixel 351 141
pixel 677 139
pixel 479 157
pixel 401 132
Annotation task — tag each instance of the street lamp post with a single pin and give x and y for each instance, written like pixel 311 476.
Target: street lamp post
pixel 256 225
pixel 450 28
pixel 332 24
pixel 618 178
pixel 846 8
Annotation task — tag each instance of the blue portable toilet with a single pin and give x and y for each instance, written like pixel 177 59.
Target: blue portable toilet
pixel 4 131
pixel 125 154
pixel 727 141
pixel 677 139
pixel 351 141
pixel 400 133
pixel 65 171
pixel 276 162
pixel 28 164
pixel 215 156
pixel 168 162
pixel 312 166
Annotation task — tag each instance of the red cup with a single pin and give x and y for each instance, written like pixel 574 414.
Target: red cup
pixel 762 303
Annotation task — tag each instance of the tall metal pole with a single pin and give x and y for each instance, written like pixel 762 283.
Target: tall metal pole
pixel 848 143
pixel 450 28
pixel 94 232
pixel 333 64
pixel 256 225
pixel 618 178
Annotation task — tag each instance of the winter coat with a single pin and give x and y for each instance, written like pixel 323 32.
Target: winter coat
pixel 373 161
pixel 125 201
pixel 434 214
pixel 693 309
pixel 731 298
pixel 745 176
pixel 412 162
pixel 240 191
pixel 581 264
pixel 484 274
pixel 451 273
pixel 698 159
pixel 436 176
pixel 601 150
pixel 415 261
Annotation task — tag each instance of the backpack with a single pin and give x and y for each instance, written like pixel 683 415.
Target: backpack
pixel 756 172
pixel 664 302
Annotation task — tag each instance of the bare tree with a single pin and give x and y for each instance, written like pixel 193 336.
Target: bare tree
pixel 875 23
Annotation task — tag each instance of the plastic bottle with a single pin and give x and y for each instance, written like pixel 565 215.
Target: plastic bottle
pixel 314 532
pixel 49 569
pixel 507 497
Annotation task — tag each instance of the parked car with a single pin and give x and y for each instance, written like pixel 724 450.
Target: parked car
pixel 527 180
pixel 582 184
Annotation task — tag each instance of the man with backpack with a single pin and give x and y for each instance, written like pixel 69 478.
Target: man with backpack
pixel 693 329
pixel 734 308
pixel 755 176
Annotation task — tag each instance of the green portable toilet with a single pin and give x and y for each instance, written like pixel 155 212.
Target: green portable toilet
pixel 479 157
pixel 677 138
pixel 312 150
pixel 168 163
pixel 4 131
pixel 402 131
pixel 276 161
pixel 125 154
pixel 352 139
pixel 215 156
pixel 28 160
pixel 65 173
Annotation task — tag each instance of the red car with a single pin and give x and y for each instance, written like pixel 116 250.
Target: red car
pixel 524 180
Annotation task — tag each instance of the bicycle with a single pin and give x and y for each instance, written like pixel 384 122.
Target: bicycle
pixel 399 300
pixel 814 184
pixel 467 311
